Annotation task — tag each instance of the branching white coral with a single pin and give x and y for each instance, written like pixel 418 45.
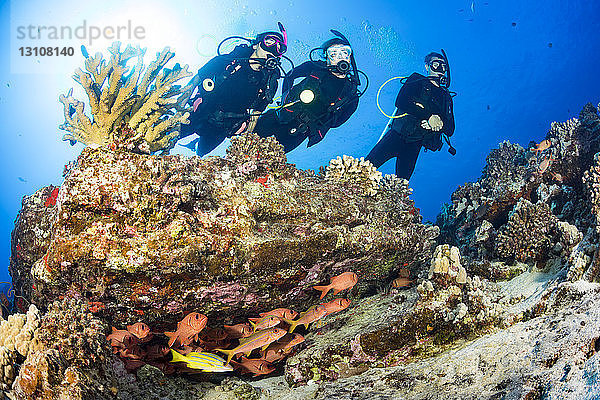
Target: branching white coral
pixel 353 170
pixel 127 110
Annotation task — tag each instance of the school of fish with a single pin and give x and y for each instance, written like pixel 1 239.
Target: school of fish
pixel 191 347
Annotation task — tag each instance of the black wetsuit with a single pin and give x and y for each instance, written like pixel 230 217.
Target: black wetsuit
pixel 220 112
pixel 335 101
pixel 420 99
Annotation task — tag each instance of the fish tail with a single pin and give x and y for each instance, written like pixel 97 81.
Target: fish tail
pixel 293 325
pixel 177 357
pixel 229 354
pixel 322 289
pixel 172 337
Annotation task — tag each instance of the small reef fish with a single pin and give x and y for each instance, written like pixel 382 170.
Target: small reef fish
pixel 141 331
pixel 273 356
pixel 284 343
pixel 281 313
pixel 260 339
pixel 545 164
pixel 238 331
pixel 401 282
pixel 313 314
pixel 266 322
pixel 338 283
pixel 255 366
pixel 187 329
pixel 336 305
pixel 544 144
pixel 157 351
pixel 205 362
pixel 214 335
pixel 121 338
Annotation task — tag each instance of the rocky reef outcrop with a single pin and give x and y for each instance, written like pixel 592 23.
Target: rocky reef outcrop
pixel 153 237
pixel 502 304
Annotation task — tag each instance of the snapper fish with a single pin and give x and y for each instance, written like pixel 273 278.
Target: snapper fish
pixel 206 362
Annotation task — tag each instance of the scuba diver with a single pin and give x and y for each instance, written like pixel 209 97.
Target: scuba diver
pixel 424 114
pixel 326 97
pixel 232 87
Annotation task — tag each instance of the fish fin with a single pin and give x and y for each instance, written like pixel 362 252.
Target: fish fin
pixel 322 289
pixel 114 329
pixel 265 346
pixel 229 354
pixel 248 353
pixel 336 291
pixel 253 319
pixel 253 325
pixel 172 337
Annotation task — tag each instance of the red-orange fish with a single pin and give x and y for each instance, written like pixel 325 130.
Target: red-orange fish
pixel 157 351
pixel 141 331
pixel 273 356
pixel 121 338
pixel 338 283
pixel 238 331
pixel 336 305
pixel 285 343
pixel 281 313
pixel 313 314
pixel 214 335
pixel 255 366
pixel 187 329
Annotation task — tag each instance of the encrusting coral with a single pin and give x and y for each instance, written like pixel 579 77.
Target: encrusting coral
pixel 138 115
pixel 529 233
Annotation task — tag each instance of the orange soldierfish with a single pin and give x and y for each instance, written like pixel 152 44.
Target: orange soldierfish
pixel 312 314
pixel 284 344
pixel 141 331
pixel 187 329
pixel 281 313
pixel 338 283
pixel 336 305
pixel 121 338
pixel 266 322
pixel 273 356
pixel 238 331
pixel 255 366
pixel 260 339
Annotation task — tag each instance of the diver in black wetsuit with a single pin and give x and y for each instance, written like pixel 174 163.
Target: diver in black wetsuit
pixel 325 98
pixel 424 114
pixel 232 86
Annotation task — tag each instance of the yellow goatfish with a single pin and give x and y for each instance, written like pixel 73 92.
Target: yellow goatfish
pixel 260 339
pixel 205 362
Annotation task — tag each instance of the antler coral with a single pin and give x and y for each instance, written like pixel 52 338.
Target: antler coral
pixel 150 107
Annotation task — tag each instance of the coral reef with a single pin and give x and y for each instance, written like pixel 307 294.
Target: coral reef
pixel 355 171
pixel 504 307
pixel 159 236
pixel 129 110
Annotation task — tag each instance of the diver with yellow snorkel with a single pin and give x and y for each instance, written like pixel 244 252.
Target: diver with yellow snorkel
pixel 230 88
pixel 424 115
pixel 326 97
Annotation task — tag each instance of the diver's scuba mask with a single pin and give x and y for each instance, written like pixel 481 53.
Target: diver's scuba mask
pixel 441 69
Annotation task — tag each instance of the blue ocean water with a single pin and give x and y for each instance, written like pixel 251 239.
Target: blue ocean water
pixel 516 66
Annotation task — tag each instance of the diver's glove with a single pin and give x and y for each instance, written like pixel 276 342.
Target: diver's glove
pixel 434 123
